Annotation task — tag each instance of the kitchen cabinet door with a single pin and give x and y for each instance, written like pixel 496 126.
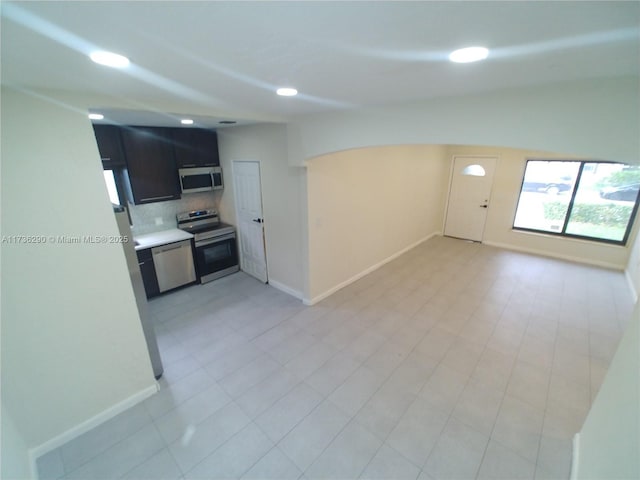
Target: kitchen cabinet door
pixel 109 145
pixel 148 271
pixel 151 164
pixel 195 147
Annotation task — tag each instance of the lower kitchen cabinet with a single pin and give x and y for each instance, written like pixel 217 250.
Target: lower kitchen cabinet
pixel 148 270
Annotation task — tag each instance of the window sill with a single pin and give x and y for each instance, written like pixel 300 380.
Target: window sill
pixel 582 241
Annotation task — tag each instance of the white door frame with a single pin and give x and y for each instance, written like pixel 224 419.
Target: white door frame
pixel 235 206
pixel 451 172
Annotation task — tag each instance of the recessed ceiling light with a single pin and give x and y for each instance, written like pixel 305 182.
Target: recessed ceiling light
pixel 109 59
pixel 469 54
pixel 186 121
pixel 287 92
pixel 96 116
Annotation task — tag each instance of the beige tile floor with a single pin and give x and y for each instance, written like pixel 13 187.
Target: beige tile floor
pixel 455 361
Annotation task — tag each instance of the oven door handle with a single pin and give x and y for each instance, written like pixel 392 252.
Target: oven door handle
pixel 221 238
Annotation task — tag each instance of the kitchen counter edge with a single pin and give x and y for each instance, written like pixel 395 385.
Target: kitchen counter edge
pixel 164 237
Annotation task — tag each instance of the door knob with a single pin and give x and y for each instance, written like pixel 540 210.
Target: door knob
pixel 484 206
pixel 257 220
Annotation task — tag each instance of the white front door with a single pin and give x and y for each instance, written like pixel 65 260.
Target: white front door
pixel 248 201
pixel 469 196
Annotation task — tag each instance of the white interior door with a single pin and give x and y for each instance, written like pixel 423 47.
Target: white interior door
pixel 469 197
pixel 248 201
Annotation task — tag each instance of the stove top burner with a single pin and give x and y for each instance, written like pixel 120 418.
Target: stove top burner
pixel 206 228
pixel 203 224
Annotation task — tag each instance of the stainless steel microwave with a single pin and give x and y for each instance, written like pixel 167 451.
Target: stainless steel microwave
pixel 200 179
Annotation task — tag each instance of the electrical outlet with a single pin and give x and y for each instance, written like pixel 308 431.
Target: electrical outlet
pixel 159 221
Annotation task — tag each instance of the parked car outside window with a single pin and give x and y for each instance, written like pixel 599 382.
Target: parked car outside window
pixel 561 185
pixel 625 193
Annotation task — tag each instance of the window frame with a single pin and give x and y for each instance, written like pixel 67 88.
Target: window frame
pixel 119 179
pixel 576 186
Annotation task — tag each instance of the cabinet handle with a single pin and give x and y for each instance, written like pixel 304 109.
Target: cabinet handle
pixel 169 248
pixel 204 243
pixel 189 165
pixel 156 198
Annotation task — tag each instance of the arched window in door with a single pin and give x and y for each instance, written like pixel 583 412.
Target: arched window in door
pixel 474 171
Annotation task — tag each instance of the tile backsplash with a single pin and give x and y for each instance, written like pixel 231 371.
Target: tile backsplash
pixel 145 217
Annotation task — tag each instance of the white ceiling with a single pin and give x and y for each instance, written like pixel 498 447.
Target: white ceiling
pixel 229 57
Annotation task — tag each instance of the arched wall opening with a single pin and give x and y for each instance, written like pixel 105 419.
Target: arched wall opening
pixel 597 119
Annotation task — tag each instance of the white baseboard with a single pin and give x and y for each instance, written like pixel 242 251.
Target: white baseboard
pixel 544 253
pixel 74 432
pixel 367 271
pixel 283 288
pixel 632 286
pixel 575 457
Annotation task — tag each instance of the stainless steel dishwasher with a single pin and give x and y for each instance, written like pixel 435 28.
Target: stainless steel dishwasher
pixel 174 265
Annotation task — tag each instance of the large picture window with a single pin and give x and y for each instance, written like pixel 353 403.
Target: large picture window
pixel 592 200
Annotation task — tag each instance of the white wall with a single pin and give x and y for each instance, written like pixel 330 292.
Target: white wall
pixel 72 343
pixel 14 459
pixel 595 118
pixel 281 198
pixel 633 267
pixel 366 205
pixel 609 441
pixel 504 201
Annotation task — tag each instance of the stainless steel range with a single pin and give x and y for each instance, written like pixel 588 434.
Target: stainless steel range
pixel 215 243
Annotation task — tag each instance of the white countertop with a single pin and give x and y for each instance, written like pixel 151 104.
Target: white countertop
pixel 156 239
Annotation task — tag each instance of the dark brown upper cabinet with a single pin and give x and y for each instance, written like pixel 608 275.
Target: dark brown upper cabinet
pixel 151 164
pixel 195 147
pixel 109 146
